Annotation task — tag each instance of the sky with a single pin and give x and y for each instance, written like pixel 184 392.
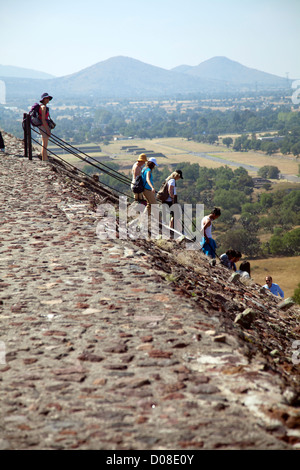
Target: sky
pixel 62 37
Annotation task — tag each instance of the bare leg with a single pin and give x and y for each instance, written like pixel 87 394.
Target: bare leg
pixel 45 140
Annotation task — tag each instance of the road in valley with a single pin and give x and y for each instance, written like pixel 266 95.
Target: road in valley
pixel 291 178
pixel 252 168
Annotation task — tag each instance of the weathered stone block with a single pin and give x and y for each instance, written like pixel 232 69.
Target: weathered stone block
pixel 245 318
pixel 286 304
pixel 235 277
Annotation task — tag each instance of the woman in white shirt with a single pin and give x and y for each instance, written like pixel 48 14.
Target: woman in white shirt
pixel 172 198
pixel 208 243
pixel 244 270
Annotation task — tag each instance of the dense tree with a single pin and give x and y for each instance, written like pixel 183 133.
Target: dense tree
pixel 242 143
pixel 291 201
pixel 242 181
pixel 231 199
pixel 269 147
pixel 287 244
pixel 269 171
pixel 212 138
pixel 227 141
pixel 240 239
pixel 267 224
pixel 252 208
pixel 295 149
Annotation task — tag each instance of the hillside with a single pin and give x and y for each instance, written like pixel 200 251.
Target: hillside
pixel 20 72
pixel 233 73
pixel 124 77
pixel 119 344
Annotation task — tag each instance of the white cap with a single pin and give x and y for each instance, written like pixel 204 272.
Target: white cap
pixel 152 159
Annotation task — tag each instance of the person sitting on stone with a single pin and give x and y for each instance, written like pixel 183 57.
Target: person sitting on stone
pixel 227 258
pixel 272 287
pixel 236 258
pixel 244 269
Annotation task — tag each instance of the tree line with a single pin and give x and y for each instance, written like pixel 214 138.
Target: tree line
pixel 98 123
pixel 206 125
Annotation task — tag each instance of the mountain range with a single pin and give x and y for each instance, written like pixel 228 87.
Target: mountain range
pixel 20 72
pixel 230 71
pixel 124 77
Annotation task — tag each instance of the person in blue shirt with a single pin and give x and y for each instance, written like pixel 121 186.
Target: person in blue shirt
pixel 149 190
pixel 274 288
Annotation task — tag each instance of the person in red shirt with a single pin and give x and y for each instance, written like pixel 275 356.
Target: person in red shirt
pixel 44 128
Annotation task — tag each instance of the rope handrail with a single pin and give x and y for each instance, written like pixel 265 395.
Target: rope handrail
pixel 98 165
pixel 76 152
pixel 107 170
pixel 80 171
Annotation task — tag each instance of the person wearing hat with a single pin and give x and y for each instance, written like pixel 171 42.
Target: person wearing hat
pixel 136 171
pixel 172 198
pixel 44 128
pixel 149 190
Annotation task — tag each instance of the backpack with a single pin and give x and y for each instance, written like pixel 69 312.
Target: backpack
pixel 163 193
pixel 34 115
pixel 138 185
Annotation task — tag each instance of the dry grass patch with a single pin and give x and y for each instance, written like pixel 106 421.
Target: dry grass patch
pixel 178 149
pixel 285 272
pixel 286 165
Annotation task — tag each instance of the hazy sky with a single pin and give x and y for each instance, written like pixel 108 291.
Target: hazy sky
pixel 61 37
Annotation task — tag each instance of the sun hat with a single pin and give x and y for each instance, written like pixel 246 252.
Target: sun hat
pixel 142 158
pixel 45 95
pixel 180 173
pixel 153 160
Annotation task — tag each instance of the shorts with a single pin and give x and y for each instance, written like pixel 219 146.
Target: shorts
pixel 169 204
pixel 151 199
pixel 43 132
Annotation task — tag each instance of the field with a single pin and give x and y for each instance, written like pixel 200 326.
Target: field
pixel 177 150
pixel 285 272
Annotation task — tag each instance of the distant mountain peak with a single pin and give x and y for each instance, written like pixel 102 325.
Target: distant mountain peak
pixel 228 70
pixel 20 72
pixel 125 77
